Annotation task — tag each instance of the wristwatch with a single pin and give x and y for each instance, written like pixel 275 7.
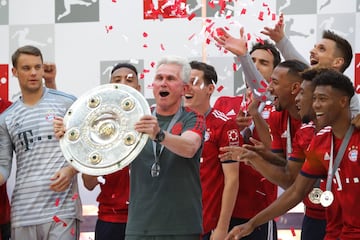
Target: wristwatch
pixel 160 136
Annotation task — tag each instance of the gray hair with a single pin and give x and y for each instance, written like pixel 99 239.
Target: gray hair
pixel 182 62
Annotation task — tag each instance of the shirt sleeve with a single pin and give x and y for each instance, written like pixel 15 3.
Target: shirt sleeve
pixel 288 50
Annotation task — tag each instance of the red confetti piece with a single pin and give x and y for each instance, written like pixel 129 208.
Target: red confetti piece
pixel 234 67
pixel 75 196
pixel 191 16
pixel 192 35
pixel 108 28
pixel 208 20
pixel 273 17
pixel 162 47
pixel 207 41
pixel 145 46
pixel 220 88
pixel 263 83
pixel 72 231
pixel 114 1
pixel 152 64
pixel 58 220
pixel 248 36
pixel 228 16
pixel 265 4
pixel 211 4
pixel 243 11
pixel 145 34
pixel 57 201
pixel 259 40
pixel 293 231
pixel 226 28
pixel 146 71
pixel 261 16
pixel 142 76
pixel 261 90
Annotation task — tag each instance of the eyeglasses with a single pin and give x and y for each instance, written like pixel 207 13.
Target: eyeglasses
pixel 155 169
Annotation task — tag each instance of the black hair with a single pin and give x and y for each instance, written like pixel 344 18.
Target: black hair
pixel 210 75
pixel 342 46
pixel 268 46
pixel 124 65
pixel 295 67
pixel 336 80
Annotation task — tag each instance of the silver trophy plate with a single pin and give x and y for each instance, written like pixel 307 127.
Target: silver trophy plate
pixel 100 137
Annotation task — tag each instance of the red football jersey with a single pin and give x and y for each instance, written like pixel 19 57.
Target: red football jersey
pixel 220 131
pixel 345 184
pixel 114 197
pixel 301 142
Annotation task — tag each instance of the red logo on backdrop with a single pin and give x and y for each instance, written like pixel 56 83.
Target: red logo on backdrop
pixel 357 73
pixel 160 9
pixel 4 81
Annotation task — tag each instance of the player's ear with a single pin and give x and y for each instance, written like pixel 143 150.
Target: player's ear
pixel 338 62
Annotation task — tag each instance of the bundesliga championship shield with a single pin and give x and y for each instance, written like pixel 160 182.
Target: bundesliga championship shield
pixel 100 137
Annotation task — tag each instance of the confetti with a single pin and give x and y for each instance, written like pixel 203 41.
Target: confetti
pixel 108 28
pixel 211 4
pixel 75 196
pixel 145 34
pixel 261 16
pixel 146 71
pixel 58 220
pixel 234 67
pixel 192 35
pixel 293 231
pixel 145 46
pixel 142 76
pixel 57 201
pixel 162 47
pixel 191 16
pixel 72 231
pixel 243 11
pixel 220 88
pixel 152 64
pixel 263 83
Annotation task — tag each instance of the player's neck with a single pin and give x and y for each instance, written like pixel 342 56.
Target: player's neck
pixel 341 125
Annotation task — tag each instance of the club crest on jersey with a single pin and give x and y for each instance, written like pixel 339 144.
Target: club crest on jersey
pixel 353 153
pixel 326 156
pixel 50 116
pixel 233 136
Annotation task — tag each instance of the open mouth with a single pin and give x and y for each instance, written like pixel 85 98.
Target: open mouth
pixel 188 96
pixel 313 62
pixel 164 93
pixel 319 114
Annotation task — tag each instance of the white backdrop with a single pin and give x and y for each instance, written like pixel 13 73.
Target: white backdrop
pixel 84 39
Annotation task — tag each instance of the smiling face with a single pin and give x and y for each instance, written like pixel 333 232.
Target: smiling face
pixel 29 71
pixel 328 105
pixel 168 88
pixel 324 54
pixel 197 95
pixel 280 88
pixel 304 101
pixel 125 76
